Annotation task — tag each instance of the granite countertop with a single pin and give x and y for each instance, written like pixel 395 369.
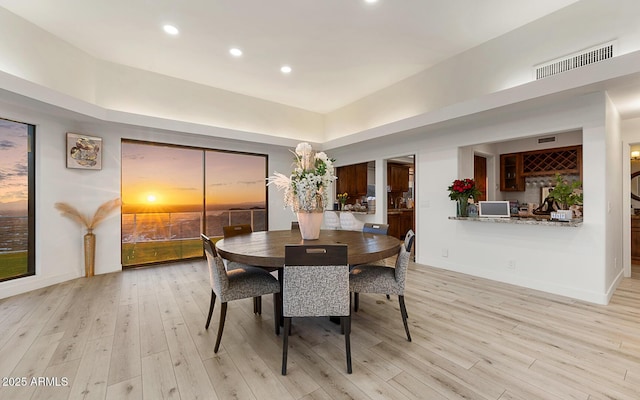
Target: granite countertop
pixel 523 221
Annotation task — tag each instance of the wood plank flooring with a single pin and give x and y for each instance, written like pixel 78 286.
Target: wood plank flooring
pixel 139 334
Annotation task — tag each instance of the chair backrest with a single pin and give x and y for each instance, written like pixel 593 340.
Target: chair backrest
pixel 235 230
pixel 331 220
pixel 402 264
pixel 381 229
pixel 408 239
pixel 217 273
pixel 295 225
pixel 315 281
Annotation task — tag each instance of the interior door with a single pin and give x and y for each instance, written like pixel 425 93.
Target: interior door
pixel 480 175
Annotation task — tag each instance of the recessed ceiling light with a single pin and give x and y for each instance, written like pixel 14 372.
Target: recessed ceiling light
pixel 171 30
pixel 285 69
pixel 371 1
pixel 235 52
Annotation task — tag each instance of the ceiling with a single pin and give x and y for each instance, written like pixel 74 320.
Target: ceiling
pixel 339 50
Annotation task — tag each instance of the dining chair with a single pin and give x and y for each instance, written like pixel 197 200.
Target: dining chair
pixel 239 283
pixel 236 230
pixel 331 220
pixel 409 238
pixel 367 278
pixel 315 284
pixel 380 229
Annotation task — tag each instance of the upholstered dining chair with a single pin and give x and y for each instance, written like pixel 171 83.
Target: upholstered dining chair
pixel 315 284
pixel 236 230
pixel 384 280
pixel 409 238
pixel 242 282
pixel 380 229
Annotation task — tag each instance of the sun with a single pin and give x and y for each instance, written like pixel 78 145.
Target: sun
pixel 151 198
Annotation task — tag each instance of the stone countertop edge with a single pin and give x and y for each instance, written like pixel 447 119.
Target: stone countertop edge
pixel 525 221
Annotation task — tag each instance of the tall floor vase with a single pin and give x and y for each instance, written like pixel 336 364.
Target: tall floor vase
pixel 89 253
pixel 310 223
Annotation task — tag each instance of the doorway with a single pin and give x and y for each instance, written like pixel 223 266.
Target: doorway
pixel 400 200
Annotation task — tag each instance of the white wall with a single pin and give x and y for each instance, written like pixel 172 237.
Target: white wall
pixel 568 261
pixel 59 252
pixel 504 62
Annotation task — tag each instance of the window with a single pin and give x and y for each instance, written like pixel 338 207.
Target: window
pixel 171 194
pixel 17 199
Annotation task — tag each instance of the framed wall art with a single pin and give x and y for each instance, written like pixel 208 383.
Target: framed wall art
pixel 84 152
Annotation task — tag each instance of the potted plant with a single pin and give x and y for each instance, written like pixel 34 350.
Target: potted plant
pixel 306 190
pixel 460 191
pixel 566 195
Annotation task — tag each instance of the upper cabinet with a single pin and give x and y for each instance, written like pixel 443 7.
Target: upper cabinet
pixel 511 178
pixel 514 167
pixel 398 177
pixel 352 179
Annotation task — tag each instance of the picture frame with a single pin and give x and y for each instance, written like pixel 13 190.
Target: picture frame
pixel 83 151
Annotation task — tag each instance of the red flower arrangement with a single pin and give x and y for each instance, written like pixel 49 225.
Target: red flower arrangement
pixel 463 189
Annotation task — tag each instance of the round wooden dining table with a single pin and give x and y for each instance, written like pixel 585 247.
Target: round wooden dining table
pixel 266 248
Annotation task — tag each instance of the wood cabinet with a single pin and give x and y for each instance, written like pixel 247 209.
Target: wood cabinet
pixel 515 167
pixel 398 177
pixel 352 179
pixel 635 240
pixel 511 179
pixel 560 160
pixel 399 223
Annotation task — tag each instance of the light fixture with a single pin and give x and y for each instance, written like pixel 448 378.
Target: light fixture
pixel 635 155
pixel 236 52
pixel 285 69
pixel 371 1
pixel 170 29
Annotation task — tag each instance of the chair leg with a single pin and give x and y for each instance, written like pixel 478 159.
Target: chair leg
pixel 223 316
pixel 257 305
pixel 356 301
pixel 276 312
pixel 403 311
pixel 346 323
pixel 285 344
pixel 388 297
pixel 211 304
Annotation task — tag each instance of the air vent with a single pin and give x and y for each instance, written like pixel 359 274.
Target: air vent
pixel 577 60
pixel 547 139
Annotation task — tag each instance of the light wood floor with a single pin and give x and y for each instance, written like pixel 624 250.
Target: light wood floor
pixel 140 334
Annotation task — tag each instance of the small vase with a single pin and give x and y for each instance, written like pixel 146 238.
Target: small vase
pixel 310 223
pixel 89 253
pixel 463 205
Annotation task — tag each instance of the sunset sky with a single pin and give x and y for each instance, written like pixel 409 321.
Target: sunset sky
pixel 162 175
pixel 13 165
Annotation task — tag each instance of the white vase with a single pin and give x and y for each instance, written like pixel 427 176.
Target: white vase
pixel 310 223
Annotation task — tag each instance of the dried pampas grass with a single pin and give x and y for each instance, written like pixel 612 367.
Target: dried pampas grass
pixel 101 213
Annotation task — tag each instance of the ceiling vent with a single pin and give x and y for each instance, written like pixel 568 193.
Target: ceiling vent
pixel 576 60
pixel 549 139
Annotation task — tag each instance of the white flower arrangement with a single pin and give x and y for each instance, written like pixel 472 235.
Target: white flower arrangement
pixel 307 188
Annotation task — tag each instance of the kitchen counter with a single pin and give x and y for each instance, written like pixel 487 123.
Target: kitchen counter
pixel 523 221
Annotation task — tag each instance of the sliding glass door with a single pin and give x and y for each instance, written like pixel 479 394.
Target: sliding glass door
pixel 171 194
